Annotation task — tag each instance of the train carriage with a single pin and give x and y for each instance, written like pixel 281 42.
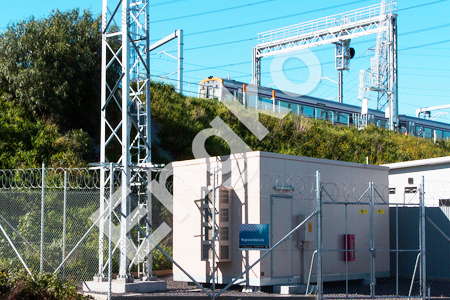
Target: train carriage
pixel 338 113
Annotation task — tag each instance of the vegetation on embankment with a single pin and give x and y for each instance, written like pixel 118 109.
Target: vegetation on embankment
pixel 181 118
pixel 50 108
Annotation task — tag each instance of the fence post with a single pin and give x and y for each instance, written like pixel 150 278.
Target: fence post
pixel 319 236
pixel 148 228
pixel 41 263
pixel 423 273
pixel 64 222
pixel 372 241
pixel 111 192
pixel 214 235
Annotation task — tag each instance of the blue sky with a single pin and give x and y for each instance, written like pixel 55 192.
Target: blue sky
pixel 423 42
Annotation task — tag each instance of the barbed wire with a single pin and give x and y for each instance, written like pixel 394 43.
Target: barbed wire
pixel 192 180
pixel 77 178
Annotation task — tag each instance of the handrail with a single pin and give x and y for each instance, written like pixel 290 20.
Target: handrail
pixel 326 23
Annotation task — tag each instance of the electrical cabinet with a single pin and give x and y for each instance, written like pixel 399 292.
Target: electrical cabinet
pixel 349 246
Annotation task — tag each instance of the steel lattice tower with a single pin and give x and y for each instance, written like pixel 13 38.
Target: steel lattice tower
pixel 125 114
pixel 378 19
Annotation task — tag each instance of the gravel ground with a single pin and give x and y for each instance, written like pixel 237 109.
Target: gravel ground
pixel 332 290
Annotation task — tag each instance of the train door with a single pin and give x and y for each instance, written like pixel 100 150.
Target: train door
pixel 403 128
pixel 411 128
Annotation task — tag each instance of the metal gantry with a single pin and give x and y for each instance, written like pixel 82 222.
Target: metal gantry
pixel 125 114
pixel 336 29
pixel 177 34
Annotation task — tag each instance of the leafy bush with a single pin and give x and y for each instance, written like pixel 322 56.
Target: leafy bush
pixel 18 284
pixel 160 261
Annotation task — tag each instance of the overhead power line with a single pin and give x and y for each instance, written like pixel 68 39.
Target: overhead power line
pixel 211 12
pixel 424 45
pixel 276 18
pixel 164 3
pixel 425 29
pixel 421 5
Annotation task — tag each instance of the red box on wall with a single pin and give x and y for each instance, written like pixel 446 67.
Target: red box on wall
pixel 349 245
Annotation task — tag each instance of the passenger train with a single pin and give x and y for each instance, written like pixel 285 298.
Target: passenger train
pixel 338 113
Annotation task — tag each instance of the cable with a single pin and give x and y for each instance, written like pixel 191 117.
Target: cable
pixel 425 29
pixel 220 44
pixel 428 95
pixel 322 49
pixel 277 18
pixel 442 76
pixel 420 88
pixel 210 12
pixel 164 3
pixel 207 68
pixel 421 5
pixel 424 45
pixel 431 69
pixel 274 19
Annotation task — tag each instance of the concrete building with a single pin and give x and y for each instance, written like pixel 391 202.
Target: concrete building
pixel 279 191
pixel 405 180
pixel 406 177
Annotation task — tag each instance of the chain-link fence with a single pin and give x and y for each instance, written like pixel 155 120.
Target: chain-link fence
pixel 43 218
pixel 333 240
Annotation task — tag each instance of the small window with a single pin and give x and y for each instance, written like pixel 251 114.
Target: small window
pixel 391 191
pixel 410 190
pixel 410 180
pixel 224 252
pixel 223 234
pixel 224 197
pixel 224 215
pixel 444 202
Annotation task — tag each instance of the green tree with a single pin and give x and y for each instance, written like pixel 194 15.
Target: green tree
pixel 27 142
pixel 51 67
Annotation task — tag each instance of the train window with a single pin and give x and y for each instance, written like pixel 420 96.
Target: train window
pixel 419 131
pixel 308 111
pixel 321 114
pixel 403 128
pixel 427 133
pixel 339 118
pixel 283 107
pixel 202 92
pixel 382 123
pixel 439 134
pixel 447 135
pixel 229 96
pixel 295 108
pixel 266 104
pixel 217 93
pixel 251 100
pixel 342 118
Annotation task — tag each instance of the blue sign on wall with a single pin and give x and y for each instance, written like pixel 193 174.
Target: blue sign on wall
pixel 254 236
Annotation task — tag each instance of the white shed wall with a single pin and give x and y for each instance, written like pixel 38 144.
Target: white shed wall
pixel 253 176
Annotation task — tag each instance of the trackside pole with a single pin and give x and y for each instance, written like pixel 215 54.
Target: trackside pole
pixel 319 236
pixel 423 255
pixel 41 268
